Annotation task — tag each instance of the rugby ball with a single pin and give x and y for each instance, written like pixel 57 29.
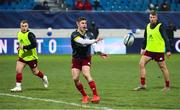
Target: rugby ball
pixel 129 39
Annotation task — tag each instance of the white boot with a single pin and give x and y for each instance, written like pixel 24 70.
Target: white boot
pixel 141 87
pixel 45 81
pixel 17 88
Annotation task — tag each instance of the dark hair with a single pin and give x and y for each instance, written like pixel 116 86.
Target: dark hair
pixel 153 13
pixel 81 19
pixel 24 21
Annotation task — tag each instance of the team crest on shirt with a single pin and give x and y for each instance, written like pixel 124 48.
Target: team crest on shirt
pixel 150 37
pixel 21 41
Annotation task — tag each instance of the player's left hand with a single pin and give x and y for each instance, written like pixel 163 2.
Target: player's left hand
pixel 104 56
pixel 168 54
pixel 142 51
pixel 99 39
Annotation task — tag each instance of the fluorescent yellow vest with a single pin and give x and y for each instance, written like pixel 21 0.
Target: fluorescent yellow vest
pixel 27 55
pixel 155 42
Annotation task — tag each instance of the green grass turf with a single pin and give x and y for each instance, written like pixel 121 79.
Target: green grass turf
pixel 115 78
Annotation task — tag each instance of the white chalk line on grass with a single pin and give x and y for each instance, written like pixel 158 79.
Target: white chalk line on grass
pixel 55 101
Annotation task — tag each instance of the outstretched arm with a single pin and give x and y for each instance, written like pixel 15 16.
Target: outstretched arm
pixel 86 41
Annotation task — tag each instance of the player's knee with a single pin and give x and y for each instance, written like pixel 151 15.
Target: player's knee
pixel 85 77
pixel 35 72
pixel 162 67
pixel 75 78
pixel 88 78
pixel 141 65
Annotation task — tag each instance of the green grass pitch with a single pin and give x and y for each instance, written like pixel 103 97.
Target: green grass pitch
pixel 115 78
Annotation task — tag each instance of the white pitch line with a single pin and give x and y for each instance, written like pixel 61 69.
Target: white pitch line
pixel 54 101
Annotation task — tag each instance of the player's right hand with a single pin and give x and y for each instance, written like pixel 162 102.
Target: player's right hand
pixel 168 54
pixel 99 39
pixel 104 56
pixel 142 51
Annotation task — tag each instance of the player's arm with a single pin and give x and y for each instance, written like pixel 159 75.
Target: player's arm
pixel 32 39
pixel 97 32
pixel 165 37
pixel 166 40
pixel 144 42
pixel 82 41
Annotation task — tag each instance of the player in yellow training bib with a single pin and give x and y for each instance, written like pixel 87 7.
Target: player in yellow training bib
pixel 27 56
pixel 155 45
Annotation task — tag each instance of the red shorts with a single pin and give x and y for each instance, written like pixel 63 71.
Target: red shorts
pixel 32 64
pixel 79 62
pixel 155 56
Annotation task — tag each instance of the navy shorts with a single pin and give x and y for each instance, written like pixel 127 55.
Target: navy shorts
pixel 158 57
pixel 79 62
pixel 32 64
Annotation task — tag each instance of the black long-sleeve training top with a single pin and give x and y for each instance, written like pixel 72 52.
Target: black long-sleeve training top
pixel 32 39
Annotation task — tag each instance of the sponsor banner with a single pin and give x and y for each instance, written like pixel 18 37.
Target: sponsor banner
pixel 8 46
pixel 44 46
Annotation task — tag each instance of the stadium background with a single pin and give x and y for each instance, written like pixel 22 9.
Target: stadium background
pixel 115 18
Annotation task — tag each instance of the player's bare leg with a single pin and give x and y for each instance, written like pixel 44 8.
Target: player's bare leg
pixel 79 85
pixel 92 84
pixel 19 69
pixel 143 61
pixel 41 75
pixel 165 72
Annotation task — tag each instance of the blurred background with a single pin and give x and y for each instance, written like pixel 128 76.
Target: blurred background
pixel 53 21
